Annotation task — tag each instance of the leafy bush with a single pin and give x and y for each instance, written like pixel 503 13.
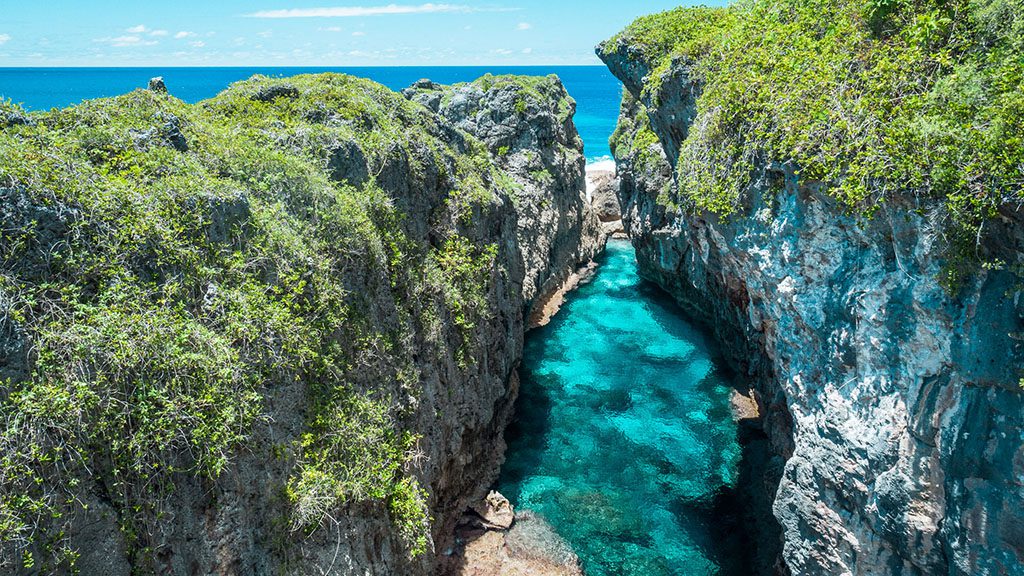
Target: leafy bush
pixel 881 100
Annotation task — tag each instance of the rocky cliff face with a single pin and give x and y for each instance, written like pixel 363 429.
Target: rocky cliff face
pixel 893 409
pixel 356 269
pixel 539 147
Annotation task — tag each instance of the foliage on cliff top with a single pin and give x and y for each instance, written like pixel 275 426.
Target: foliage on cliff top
pixel 873 97
pixel 533 92
pixel 162 266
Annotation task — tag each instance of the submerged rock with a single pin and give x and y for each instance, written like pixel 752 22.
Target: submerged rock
pixel 532 538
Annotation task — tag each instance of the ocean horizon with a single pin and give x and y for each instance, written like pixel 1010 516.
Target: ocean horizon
pixel 596 91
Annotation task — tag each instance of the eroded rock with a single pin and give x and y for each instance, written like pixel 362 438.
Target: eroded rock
pixel 539 147
pixel 451 387
pixel 275 91
pixel 496 511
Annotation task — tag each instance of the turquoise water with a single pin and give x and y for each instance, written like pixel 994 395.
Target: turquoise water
pixel 624 438
pixel 596 91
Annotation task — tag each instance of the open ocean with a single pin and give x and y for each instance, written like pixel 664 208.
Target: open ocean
pixel 596 91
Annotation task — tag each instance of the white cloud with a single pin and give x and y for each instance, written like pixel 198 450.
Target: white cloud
pixel 4 39
pixel 527 50
pixel 158 32
pixel 524 26
pixel 265 34
pixel 331 29
pixel 503 52
pixel 136 29
pixel 359 34
pixel 356 11
pixel 197 44
pixel 125 41
pixel 184 34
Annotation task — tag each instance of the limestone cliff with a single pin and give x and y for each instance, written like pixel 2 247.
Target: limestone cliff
pixel 273 332
pixel 539 147
pixel 892 406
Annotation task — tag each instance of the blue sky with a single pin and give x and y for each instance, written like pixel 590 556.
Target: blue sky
pixel 324 33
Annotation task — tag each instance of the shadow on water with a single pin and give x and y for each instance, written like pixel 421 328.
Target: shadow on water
pixel 624 439
pixel 528 431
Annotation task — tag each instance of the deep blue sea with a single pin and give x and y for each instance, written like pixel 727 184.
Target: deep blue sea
pixel 596 91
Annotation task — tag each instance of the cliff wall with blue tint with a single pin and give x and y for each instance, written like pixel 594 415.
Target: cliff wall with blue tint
pixel 892 402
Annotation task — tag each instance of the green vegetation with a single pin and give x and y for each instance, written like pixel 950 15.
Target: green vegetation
pixel 634 138
pixel 160 291
pixel 882 100
pixel 354 451
pixel 465 271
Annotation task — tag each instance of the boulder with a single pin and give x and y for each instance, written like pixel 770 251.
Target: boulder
pixel 496 511
pixel 603 187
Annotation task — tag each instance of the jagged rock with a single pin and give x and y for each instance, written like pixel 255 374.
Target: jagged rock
pixel 168 133
pixel 540 148
pixel 496 511
pixel 347 163
pixel 603 187
pixel 275 91
pixel 157 85
pixel 171 132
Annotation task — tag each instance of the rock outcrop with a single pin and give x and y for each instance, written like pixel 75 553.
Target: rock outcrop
pixel 492 540
pixel 893 409
pixel 539 147
pixel 289 346
pixel 603 193
pixel 156 84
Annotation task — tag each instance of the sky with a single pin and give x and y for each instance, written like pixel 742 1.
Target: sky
pixel 314 33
